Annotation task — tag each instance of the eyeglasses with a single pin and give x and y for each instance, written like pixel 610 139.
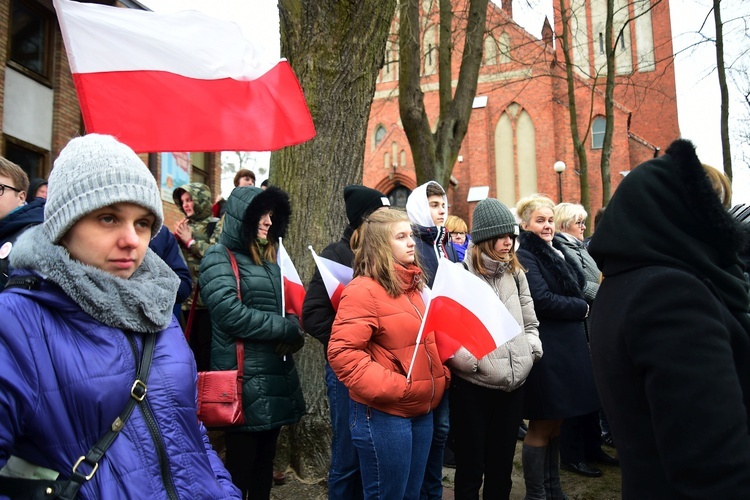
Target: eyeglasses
pixel 458 233
pixel 3 187
pixel 581 223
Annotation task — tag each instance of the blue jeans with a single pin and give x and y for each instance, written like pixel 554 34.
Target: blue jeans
pixel 432 487
pixel 344 479
pixel 392 451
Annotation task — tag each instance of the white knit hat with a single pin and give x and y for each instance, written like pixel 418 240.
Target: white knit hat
pixel 92 172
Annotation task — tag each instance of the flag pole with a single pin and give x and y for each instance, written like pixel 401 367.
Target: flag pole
pixel 281 269
pixel 419 338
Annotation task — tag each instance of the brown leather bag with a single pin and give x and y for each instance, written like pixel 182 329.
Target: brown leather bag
pixel 220 392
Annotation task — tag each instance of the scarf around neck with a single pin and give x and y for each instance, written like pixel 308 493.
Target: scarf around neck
pixel 142 303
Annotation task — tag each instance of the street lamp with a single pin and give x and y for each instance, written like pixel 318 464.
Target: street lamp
pixel 559 167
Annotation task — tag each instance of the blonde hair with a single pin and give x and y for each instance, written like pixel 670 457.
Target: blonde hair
pixel 487 247
pixel 17 176
pixel 373 257
pixel 567 214
pixel 721 185
pixel 455 224
pixel 530 204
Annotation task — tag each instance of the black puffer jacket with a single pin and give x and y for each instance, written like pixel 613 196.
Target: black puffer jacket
pixel 272 396
pixel 317 311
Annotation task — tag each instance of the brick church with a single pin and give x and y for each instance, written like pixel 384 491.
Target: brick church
pixel 520 122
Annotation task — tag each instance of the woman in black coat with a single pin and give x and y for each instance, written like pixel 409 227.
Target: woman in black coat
pixel 670 333
pixel 561 384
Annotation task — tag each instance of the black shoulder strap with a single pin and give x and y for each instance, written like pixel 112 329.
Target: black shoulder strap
pixel 25 282
pixel 69 489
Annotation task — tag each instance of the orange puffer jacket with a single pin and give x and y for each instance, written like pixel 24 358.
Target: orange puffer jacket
pixel 372 344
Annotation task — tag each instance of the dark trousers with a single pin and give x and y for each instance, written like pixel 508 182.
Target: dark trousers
pixel 200 338
pixel 250 461
pixel 580 437
pixel 484 425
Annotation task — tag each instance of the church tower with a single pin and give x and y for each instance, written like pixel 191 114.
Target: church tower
pixel 645 81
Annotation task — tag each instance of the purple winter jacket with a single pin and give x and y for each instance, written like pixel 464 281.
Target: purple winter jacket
pixel 65 377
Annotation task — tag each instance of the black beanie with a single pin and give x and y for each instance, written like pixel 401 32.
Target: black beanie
pixel 361 201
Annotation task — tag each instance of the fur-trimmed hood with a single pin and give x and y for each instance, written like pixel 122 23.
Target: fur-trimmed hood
pixel 665 212
pixel 568 276
pixel 245 206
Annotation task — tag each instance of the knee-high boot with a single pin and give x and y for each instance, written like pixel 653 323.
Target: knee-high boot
pixel 552 485
pixel 534 465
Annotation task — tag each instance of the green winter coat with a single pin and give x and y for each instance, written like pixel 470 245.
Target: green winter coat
pixel 199 224
pixel 271 392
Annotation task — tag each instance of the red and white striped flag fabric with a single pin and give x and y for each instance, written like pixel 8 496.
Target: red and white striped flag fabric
pixel 293 292
pixel 465 311
pixel 180 81
pixel 335 277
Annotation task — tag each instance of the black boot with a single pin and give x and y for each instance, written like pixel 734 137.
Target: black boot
pixel 533 461
pixel 552 471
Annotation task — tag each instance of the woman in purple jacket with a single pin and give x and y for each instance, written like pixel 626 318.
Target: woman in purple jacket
pixel 85 304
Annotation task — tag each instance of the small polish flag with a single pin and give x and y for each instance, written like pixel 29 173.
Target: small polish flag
pixel 293 292
pixel 180 82
pixel 465 311
pixel 335 277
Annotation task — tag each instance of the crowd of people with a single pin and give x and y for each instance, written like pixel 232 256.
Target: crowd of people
pixel 638 337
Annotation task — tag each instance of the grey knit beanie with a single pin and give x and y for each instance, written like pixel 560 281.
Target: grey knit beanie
pixel 92 172
pixel 491 219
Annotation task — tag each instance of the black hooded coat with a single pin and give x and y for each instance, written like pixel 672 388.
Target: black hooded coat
pixel 670 333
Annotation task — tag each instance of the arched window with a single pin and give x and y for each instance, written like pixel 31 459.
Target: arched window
pixel 490 51
pixel 379 134
pixel 503 44
pixel 597 132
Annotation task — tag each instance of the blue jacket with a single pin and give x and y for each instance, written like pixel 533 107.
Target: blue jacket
pixel 55 361
pixel 12 226
pixel 165 246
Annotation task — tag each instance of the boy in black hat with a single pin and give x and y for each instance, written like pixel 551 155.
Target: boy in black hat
pixel 344 479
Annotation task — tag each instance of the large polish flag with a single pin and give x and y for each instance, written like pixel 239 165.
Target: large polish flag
pixel 335 277
pixel 465 311
pixel 293 292
pixel 180 81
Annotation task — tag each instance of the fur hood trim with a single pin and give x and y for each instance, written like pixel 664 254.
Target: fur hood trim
pixel 567 275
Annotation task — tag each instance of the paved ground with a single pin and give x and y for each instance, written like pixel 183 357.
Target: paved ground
pixel 578 488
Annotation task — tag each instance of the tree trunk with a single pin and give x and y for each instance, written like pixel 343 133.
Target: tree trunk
pixel 721 69
pixel 609 106
pixel 578 145
pixel 435 154
pixel 336 50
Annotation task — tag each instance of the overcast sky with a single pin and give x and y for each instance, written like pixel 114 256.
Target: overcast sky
pixel 698 101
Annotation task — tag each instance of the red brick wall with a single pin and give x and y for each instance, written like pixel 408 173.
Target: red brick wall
pixel 544 97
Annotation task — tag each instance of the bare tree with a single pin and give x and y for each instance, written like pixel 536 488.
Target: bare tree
pixel 435 153
pixel 723 88
pixel 336 49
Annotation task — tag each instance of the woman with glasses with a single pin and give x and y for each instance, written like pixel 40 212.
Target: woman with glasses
pixel 580 437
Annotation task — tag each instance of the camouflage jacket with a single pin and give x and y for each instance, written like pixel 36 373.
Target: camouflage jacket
pixel 205 228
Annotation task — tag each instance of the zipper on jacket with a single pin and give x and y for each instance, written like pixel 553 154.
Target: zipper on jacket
pixel 156 437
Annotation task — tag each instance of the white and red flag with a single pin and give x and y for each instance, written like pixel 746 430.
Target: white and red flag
pixel 465 311
pixel 292 292
pixel 335 277
pixel 180 81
